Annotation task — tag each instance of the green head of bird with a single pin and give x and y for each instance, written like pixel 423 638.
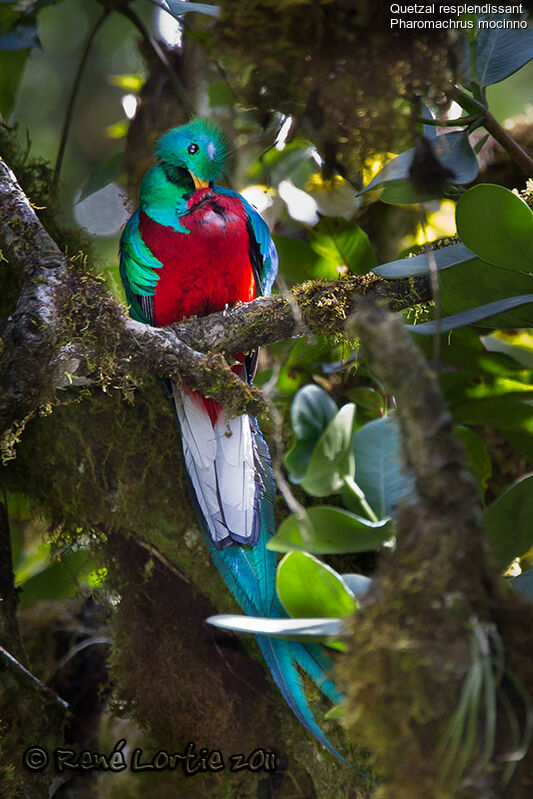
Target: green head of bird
pixel 199 147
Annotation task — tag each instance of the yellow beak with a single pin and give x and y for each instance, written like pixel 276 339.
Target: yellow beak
pixel 199 184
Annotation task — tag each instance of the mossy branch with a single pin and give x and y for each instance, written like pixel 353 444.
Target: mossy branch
pixel 430 596
pixel 67 329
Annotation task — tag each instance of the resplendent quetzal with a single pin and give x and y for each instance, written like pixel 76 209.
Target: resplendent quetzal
pixel 193 248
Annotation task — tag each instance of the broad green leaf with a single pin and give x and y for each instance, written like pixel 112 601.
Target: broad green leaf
pixel 379 471
pixel 343 243
pixel 402 192
pixel 308 588
pixel 58 580
pixel 444 257
pixel 501 51
pixel 482 313
pixel 328 530
pixel 452 150
pixel 178 7
pixel 508 521
pixel 509 412
pixel 297 458
pixel 311 630
pixel 298 262
pixel 312 410
pixel 521 355
pixel 366 397
pixel 497 225
pixel 12 66
pixel 477 456
pixel 294 161
pixel 332 457
pixel 104 174
pixel 220 94
pixel 357 583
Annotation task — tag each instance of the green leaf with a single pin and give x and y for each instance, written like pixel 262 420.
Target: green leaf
pixel 178 7
pixel 481 313
pixel 508 521
pixel 445 257
pixel 12 66
pixel 298 262
pixel 357 583
pixel 312 410
pixel 308 588
pixel 366 397
pixel 314 630
pixel 509 412
pixel 220 94
pixel 452 150
pixel 500 52
pixel 58 580
pixel 497 225
pixel 131 82
pixel 103 175
pixel 379 471
pixel 328 530
pixel 343 243
pixel 477 456
pixel 332 457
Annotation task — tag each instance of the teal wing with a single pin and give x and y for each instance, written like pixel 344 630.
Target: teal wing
pixel 138 271
pixel 262 249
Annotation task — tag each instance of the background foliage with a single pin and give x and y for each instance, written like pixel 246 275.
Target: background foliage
pixel 360 148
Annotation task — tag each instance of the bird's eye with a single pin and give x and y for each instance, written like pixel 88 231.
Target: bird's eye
pixel 192 149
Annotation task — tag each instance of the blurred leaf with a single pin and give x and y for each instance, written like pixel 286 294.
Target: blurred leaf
pixel 178 7
pixel 508 521
pixel 502 51
pixel 481 313
pixel 104 174
pixel 453 152
pixel 497 225
pixel 311 411
pixel 445 257
pixel 298 262
pixel 11 71
pixel 328 530
pixel 366 397
pixel 379 471
pixel 58 580
pixel 292 629
pixel 521 355
pixel 477 456
pixel 332 457
pixel 308 588
pixel 474 283
pixel 523 583
pixel 220 94
pixel 294 162
pixel 509 412
pixel 118 130
pixel 357 583
pixel 23 36
pixel 343 243
pixel 131 82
